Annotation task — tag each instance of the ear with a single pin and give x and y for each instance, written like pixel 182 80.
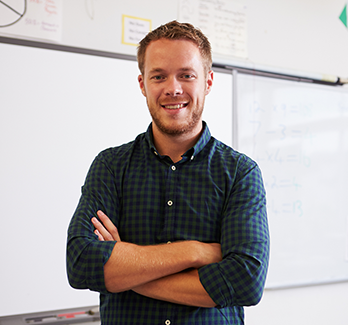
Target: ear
pixel 209 82
pixel 141 84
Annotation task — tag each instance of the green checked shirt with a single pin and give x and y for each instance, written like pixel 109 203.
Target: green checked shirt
pixel 214 194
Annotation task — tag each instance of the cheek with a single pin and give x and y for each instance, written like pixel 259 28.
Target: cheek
pixel 153 93
pixel 198 90
pixel 198 95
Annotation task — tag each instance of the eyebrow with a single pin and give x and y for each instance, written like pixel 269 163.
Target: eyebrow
pixel 159 70
pixel 156 70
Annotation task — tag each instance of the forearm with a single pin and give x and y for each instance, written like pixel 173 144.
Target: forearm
pixel 182 288
pixel 131 265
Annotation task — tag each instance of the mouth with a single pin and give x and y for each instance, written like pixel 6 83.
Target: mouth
pixel 175 106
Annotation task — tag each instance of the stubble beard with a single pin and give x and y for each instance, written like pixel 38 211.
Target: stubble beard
pixel 189 124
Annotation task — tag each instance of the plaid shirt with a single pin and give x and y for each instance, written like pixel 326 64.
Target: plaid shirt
pixel 214 194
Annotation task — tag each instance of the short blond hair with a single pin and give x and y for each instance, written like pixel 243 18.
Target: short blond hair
pixel 177 31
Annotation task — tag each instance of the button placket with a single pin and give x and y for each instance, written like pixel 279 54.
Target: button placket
pixel 170 202
pixel 169 197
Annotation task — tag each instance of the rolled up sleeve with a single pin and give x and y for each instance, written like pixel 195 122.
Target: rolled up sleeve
pixel 85 263
pixel 239 279
pixel 86 255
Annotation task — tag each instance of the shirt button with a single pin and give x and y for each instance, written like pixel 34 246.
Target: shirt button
pixel 167 322
pixel 173 167
pixel 170 203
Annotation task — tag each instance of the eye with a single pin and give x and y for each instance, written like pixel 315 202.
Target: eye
pixel 188 76
pixel 157 78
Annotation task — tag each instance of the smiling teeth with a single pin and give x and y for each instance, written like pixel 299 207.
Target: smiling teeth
pixel 174 106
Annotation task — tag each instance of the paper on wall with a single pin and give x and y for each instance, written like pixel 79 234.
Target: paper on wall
pixel 224 22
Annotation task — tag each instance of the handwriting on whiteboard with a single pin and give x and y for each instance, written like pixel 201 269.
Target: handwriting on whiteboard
pixel 288 130
pixel 298 135
pixel 42 20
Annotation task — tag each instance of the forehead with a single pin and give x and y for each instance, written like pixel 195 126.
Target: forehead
pixel 171 54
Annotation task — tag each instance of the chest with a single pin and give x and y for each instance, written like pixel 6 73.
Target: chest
pixel 162 202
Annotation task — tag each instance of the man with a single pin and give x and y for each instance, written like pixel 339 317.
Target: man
pixel 172 228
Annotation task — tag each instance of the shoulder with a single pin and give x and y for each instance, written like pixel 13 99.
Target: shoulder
pixel 121 152
pixel 229 156
pixel 118 158
pixel 236 166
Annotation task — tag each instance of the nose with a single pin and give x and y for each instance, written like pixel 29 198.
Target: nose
pixel 173 87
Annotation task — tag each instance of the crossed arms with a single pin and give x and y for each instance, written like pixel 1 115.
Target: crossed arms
pixel 187 272
pixel 164 272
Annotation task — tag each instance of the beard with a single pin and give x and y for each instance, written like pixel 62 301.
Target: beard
pixel 171 128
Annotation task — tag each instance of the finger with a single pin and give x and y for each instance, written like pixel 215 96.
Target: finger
pixel 116 235
pixel 110 227
pixel 100 237
pixel 101 229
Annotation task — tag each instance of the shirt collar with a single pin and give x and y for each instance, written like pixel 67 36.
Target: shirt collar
pixel 194 151
pixel 203 140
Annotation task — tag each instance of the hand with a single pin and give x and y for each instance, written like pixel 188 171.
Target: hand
pixel 105 230
pixel 208 253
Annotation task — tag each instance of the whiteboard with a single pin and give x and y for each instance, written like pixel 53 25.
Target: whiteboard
pixel 58 111
pixel 298 134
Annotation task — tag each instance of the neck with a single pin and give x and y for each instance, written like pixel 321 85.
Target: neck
pixel 174 146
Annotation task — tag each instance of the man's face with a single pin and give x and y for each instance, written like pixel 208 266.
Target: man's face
pixel 175 85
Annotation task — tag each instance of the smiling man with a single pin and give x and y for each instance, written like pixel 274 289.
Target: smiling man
pixel 175 85
pixel 171 228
